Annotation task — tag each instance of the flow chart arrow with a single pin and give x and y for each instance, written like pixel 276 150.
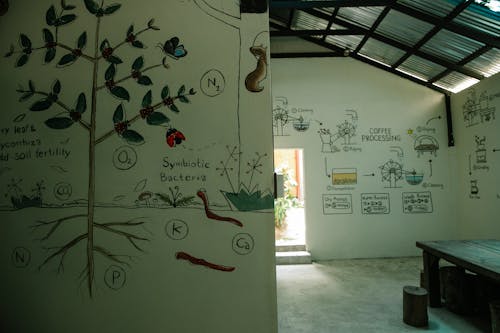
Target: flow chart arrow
pixel 428 121
pixel 430 166
pixel 370 175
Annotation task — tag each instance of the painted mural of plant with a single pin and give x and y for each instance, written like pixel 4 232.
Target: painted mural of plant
pixel 245 197
pixel 175 198
pixel 84 110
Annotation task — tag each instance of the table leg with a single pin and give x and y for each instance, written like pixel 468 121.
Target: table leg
pixel 431 272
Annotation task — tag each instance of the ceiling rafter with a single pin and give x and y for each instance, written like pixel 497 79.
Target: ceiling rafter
pixel 462 62
pixel 339 52
pixel 375 26
pixel 298 4
pixel 330 21
pixel 315 32
pixel 437 27
pixel 401 46
pixel 284 14
pixel 452 26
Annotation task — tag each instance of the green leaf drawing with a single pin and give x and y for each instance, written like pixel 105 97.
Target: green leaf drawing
pixel 138 63
pixel 150 24
pixel 82 40
pixel 121 93
pixel 41 105
pixel 59 122
pixel 183 99
pixel 111 9
pixel 25 41
pixel 137 44
pixel 114 60
pixel 166 198
pixel 25 96
pixel 181 91
pixel 132 137
pixel 31 85
pixel 104 44
pixel 174 108
pixel 50 55
pixel 165 92
pixel 147 100
pixel 144 80
pixel 130 30
pixel 110 73
pixel 67 59
pixel 65 19
pixel 91 6
pixel 81 104
pixel 56 87
pixel 50 16
pixel 118 115
pixel 157 118
pixel 22 60
pixel 48 37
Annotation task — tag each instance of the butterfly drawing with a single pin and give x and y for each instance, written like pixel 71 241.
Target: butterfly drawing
pixel 173 49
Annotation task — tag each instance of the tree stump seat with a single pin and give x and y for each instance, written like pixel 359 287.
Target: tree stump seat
pixel 415 306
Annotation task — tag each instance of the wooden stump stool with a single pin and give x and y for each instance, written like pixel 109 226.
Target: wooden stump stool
pixel 415 306
pixel 495 316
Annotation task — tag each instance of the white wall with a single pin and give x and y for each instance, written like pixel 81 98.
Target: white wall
pixel 476 124
pixel 120 263
pixel 324 91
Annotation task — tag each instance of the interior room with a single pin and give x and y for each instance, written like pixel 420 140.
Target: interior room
pixel 250 166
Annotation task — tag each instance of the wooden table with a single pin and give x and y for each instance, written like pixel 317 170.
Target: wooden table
pixel 479 256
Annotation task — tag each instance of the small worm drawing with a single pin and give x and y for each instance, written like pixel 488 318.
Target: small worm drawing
pixel 212 215
pixel 253 79
pixel 203 262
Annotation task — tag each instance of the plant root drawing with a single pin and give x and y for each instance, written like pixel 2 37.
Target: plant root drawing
pixel 203 262
pixel 116 228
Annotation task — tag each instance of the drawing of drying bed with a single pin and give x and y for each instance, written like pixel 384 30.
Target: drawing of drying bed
pixel 426 144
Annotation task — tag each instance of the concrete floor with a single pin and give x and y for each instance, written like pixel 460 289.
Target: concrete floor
pixel 363 295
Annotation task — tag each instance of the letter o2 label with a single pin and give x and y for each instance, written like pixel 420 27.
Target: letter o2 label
pixel 243 244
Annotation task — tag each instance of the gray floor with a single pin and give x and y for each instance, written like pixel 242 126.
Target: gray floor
pixel 364 295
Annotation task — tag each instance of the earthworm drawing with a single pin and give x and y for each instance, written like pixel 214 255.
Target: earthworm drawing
pixel 212 215
pixel 203 262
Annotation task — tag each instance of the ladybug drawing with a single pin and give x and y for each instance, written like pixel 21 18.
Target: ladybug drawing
pixel 174 137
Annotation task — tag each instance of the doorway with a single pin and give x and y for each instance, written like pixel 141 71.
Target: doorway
pixel 289 217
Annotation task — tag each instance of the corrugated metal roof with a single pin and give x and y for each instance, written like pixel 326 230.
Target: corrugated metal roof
pixel 456 82
pixel 438 8
pixel 488 63
pixel 403 28
pixel 480 18
pixel 452 42
pixel 360 16
pixel 421 68
pixel 451 46
pixel 302 20
pixel 381 52
pixel 347 42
